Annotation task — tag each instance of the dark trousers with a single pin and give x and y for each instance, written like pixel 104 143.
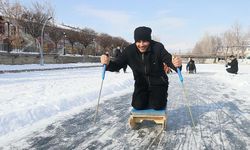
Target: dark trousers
pixel 153 97
pixel 230 70
pixel 191 71
pixel 124 68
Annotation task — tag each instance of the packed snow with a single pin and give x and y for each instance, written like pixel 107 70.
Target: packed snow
pixel 30 102
pixel 45 66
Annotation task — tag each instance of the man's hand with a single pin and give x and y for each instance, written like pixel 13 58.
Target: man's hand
pixel 176 61
pixel 105 59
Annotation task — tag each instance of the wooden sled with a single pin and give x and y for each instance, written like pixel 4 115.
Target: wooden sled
pixel 138 116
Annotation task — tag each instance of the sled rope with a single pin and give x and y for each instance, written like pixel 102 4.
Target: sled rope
pixel 187 105
pixel 185 96
pixel 190 112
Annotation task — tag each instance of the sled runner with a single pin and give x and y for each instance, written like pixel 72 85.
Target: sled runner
pixel 138 116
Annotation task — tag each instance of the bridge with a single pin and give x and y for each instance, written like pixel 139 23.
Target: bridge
pixel 200 58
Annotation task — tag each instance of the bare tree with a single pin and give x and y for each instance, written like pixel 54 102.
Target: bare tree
pixel 228 43
pixel 12 11
pixel 33 19
pixel 216 44
pixel 236 29
pixel 234 41
pixel 72 37
pixel 197 48
pixel 105 41
pixel 245 43
pixel 117 41
pixel 208 45
pixel 86 37
pixel 56 34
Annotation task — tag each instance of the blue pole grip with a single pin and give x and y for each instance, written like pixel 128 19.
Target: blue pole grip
pixel 179 74
pixel 103 71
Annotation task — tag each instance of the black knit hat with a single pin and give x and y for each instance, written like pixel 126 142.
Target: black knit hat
pixel 142 33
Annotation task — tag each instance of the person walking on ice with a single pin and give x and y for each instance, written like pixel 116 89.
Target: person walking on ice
pixel 191 68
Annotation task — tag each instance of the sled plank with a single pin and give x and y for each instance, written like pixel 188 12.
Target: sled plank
pixel 148 112
pixel 138 116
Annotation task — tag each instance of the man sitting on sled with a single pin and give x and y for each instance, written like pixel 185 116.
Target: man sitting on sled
pixel 146 58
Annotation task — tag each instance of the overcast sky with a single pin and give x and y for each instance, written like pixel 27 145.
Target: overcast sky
pixel 178 24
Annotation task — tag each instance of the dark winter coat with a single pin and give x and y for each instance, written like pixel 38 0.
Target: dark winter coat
pixel 234 65
pixel 147 67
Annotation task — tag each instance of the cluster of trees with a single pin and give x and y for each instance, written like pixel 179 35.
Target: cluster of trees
pixel 232 42
pixel 29 21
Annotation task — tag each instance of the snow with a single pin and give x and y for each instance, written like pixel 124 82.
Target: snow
pixel 30 101
pixel 45 66
pixel 30 97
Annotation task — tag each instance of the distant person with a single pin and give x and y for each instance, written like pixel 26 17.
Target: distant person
pixel 233 65
pixel 191 68
pixel 118 53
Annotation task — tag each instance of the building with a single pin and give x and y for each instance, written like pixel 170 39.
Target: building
pixel 7 32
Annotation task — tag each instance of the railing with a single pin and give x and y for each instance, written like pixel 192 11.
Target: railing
pixel 204 56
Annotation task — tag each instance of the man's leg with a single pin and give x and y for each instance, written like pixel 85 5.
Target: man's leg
pixel 191 71
pixel 140 97
pixel 158 97
pixel 124 68
pixel 229 70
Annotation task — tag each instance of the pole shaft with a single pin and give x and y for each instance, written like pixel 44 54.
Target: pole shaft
pixel 97 107
pixel 100 92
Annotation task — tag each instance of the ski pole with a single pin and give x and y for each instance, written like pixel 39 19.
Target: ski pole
pixel 180 75
pixel 97 107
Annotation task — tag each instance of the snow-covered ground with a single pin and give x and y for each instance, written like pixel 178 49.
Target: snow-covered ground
pixel 33 104
pixel 45 66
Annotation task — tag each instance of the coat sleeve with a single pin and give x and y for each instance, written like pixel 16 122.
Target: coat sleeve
pixel 167 58
pixel 118 63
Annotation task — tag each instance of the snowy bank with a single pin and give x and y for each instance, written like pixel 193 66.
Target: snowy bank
pixel 27 98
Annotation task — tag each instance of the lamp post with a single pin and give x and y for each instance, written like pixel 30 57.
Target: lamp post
pixel 41 47
pixel 95 47
pixel 8 27
pixel 64 36
pixel 8 37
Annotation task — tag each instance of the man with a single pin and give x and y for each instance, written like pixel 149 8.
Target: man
pixel 146 58
pixel 118 53
pixel 234 65
pixel 191 68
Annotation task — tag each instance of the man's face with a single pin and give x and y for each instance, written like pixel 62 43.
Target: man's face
pixel 142 45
